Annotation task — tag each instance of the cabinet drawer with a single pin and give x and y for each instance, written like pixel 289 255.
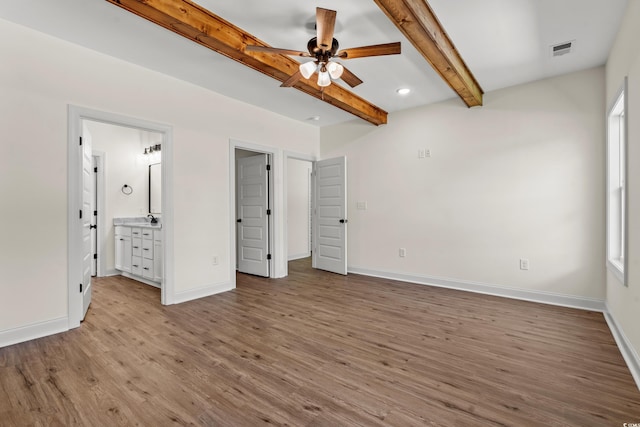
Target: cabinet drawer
pixel 136 265
pixel 147 233
pixel 123 231
pixel 147 249
pixel 136 246
pixel 136 232
pixel 147 268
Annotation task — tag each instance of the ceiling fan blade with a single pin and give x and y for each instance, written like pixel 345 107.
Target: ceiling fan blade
pixel 373 50
pixel 269 49
pixel 292 80
pixel 325 23
pixel 349 78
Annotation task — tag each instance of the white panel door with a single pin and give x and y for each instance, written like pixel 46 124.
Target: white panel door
pixel 252 220
pixel 330 215
pixel 94 218
pixel 87 215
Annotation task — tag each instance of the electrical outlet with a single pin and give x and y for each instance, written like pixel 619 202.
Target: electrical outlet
pixel 427 153
pixel 422 154
pixel 215 260
pixel 402 252
pixel 362 206
pixel 524 264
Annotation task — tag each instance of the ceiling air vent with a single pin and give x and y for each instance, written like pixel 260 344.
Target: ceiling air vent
pixel 562 48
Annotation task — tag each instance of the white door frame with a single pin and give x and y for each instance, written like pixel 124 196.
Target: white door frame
pixel 296 156
pixel 101 160
pixel 275 221
pixel 76 115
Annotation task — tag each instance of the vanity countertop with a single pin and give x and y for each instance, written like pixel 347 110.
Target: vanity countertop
pixel 142 222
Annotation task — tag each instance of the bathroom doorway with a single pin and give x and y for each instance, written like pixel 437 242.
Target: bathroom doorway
pixel 131 189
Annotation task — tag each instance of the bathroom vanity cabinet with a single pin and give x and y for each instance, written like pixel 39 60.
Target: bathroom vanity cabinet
pixel 139 252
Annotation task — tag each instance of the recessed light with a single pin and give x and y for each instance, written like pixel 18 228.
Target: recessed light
pixel 314 118
pixel 403 91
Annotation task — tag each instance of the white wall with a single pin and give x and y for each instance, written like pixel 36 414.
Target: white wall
pixel 520 177
pixel 298 224
pixel 624 60
pixel 125 163
pixel 39 77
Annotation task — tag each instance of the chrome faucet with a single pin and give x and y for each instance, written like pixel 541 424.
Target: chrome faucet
pixel 154 220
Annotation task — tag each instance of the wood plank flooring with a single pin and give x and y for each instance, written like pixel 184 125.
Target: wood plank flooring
pixel 318 349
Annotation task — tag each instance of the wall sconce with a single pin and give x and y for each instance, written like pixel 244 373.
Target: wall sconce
pixel 153 148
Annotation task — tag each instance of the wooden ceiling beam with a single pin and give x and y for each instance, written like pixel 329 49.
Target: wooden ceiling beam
pixel 420 25
pixel 202 26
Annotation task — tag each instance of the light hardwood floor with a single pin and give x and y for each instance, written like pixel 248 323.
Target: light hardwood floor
pixel 318 349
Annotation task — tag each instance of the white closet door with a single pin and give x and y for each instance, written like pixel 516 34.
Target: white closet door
pixel 330 215
pixel 252 219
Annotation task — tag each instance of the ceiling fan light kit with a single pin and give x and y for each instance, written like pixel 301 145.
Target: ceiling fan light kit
pixel 323 48
pixel 335 70
pixel 308 68
pixel 323 77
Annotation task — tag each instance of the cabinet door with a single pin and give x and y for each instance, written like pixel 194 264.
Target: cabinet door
pixel 126 254
pixel 157 261
pixel 119 251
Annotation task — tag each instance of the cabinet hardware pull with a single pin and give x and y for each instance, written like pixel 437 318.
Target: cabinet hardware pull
pixel 135 247
pixel 136 265
pixel 146 268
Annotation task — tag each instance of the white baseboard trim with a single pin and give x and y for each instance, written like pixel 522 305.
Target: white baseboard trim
pixel 202 292
pixel 628 352
pixel 484 288
pixel 112 272
pixel 36 330
pixel 140 279
pixel 299 256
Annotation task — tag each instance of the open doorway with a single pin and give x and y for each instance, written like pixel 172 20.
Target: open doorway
pixel 253 203
pixel 130 176
pixel 81 202
pixel 299 213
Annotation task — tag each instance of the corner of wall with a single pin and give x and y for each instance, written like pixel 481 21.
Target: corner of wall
pixel 626 348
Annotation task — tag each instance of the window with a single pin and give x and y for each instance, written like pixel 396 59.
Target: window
pixel 616 185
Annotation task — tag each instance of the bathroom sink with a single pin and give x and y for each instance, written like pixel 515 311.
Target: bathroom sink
pixel 144 224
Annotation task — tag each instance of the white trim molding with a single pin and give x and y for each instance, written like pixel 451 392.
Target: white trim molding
pixel 626 348
pixel 488 289
pixel 299 256
pixel 202 292
pixel 33 331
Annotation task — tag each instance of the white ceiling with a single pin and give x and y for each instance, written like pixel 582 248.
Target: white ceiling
pixel 504 43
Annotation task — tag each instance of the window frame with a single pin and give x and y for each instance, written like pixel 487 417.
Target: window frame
pixel 617 205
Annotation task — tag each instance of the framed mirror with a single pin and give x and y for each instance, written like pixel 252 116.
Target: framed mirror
pixel 155 188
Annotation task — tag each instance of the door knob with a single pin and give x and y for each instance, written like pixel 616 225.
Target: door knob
pixel 239 220
pixel 344 221
pixel 93 226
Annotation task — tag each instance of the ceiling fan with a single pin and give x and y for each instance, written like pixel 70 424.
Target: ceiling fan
pixel 324 48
